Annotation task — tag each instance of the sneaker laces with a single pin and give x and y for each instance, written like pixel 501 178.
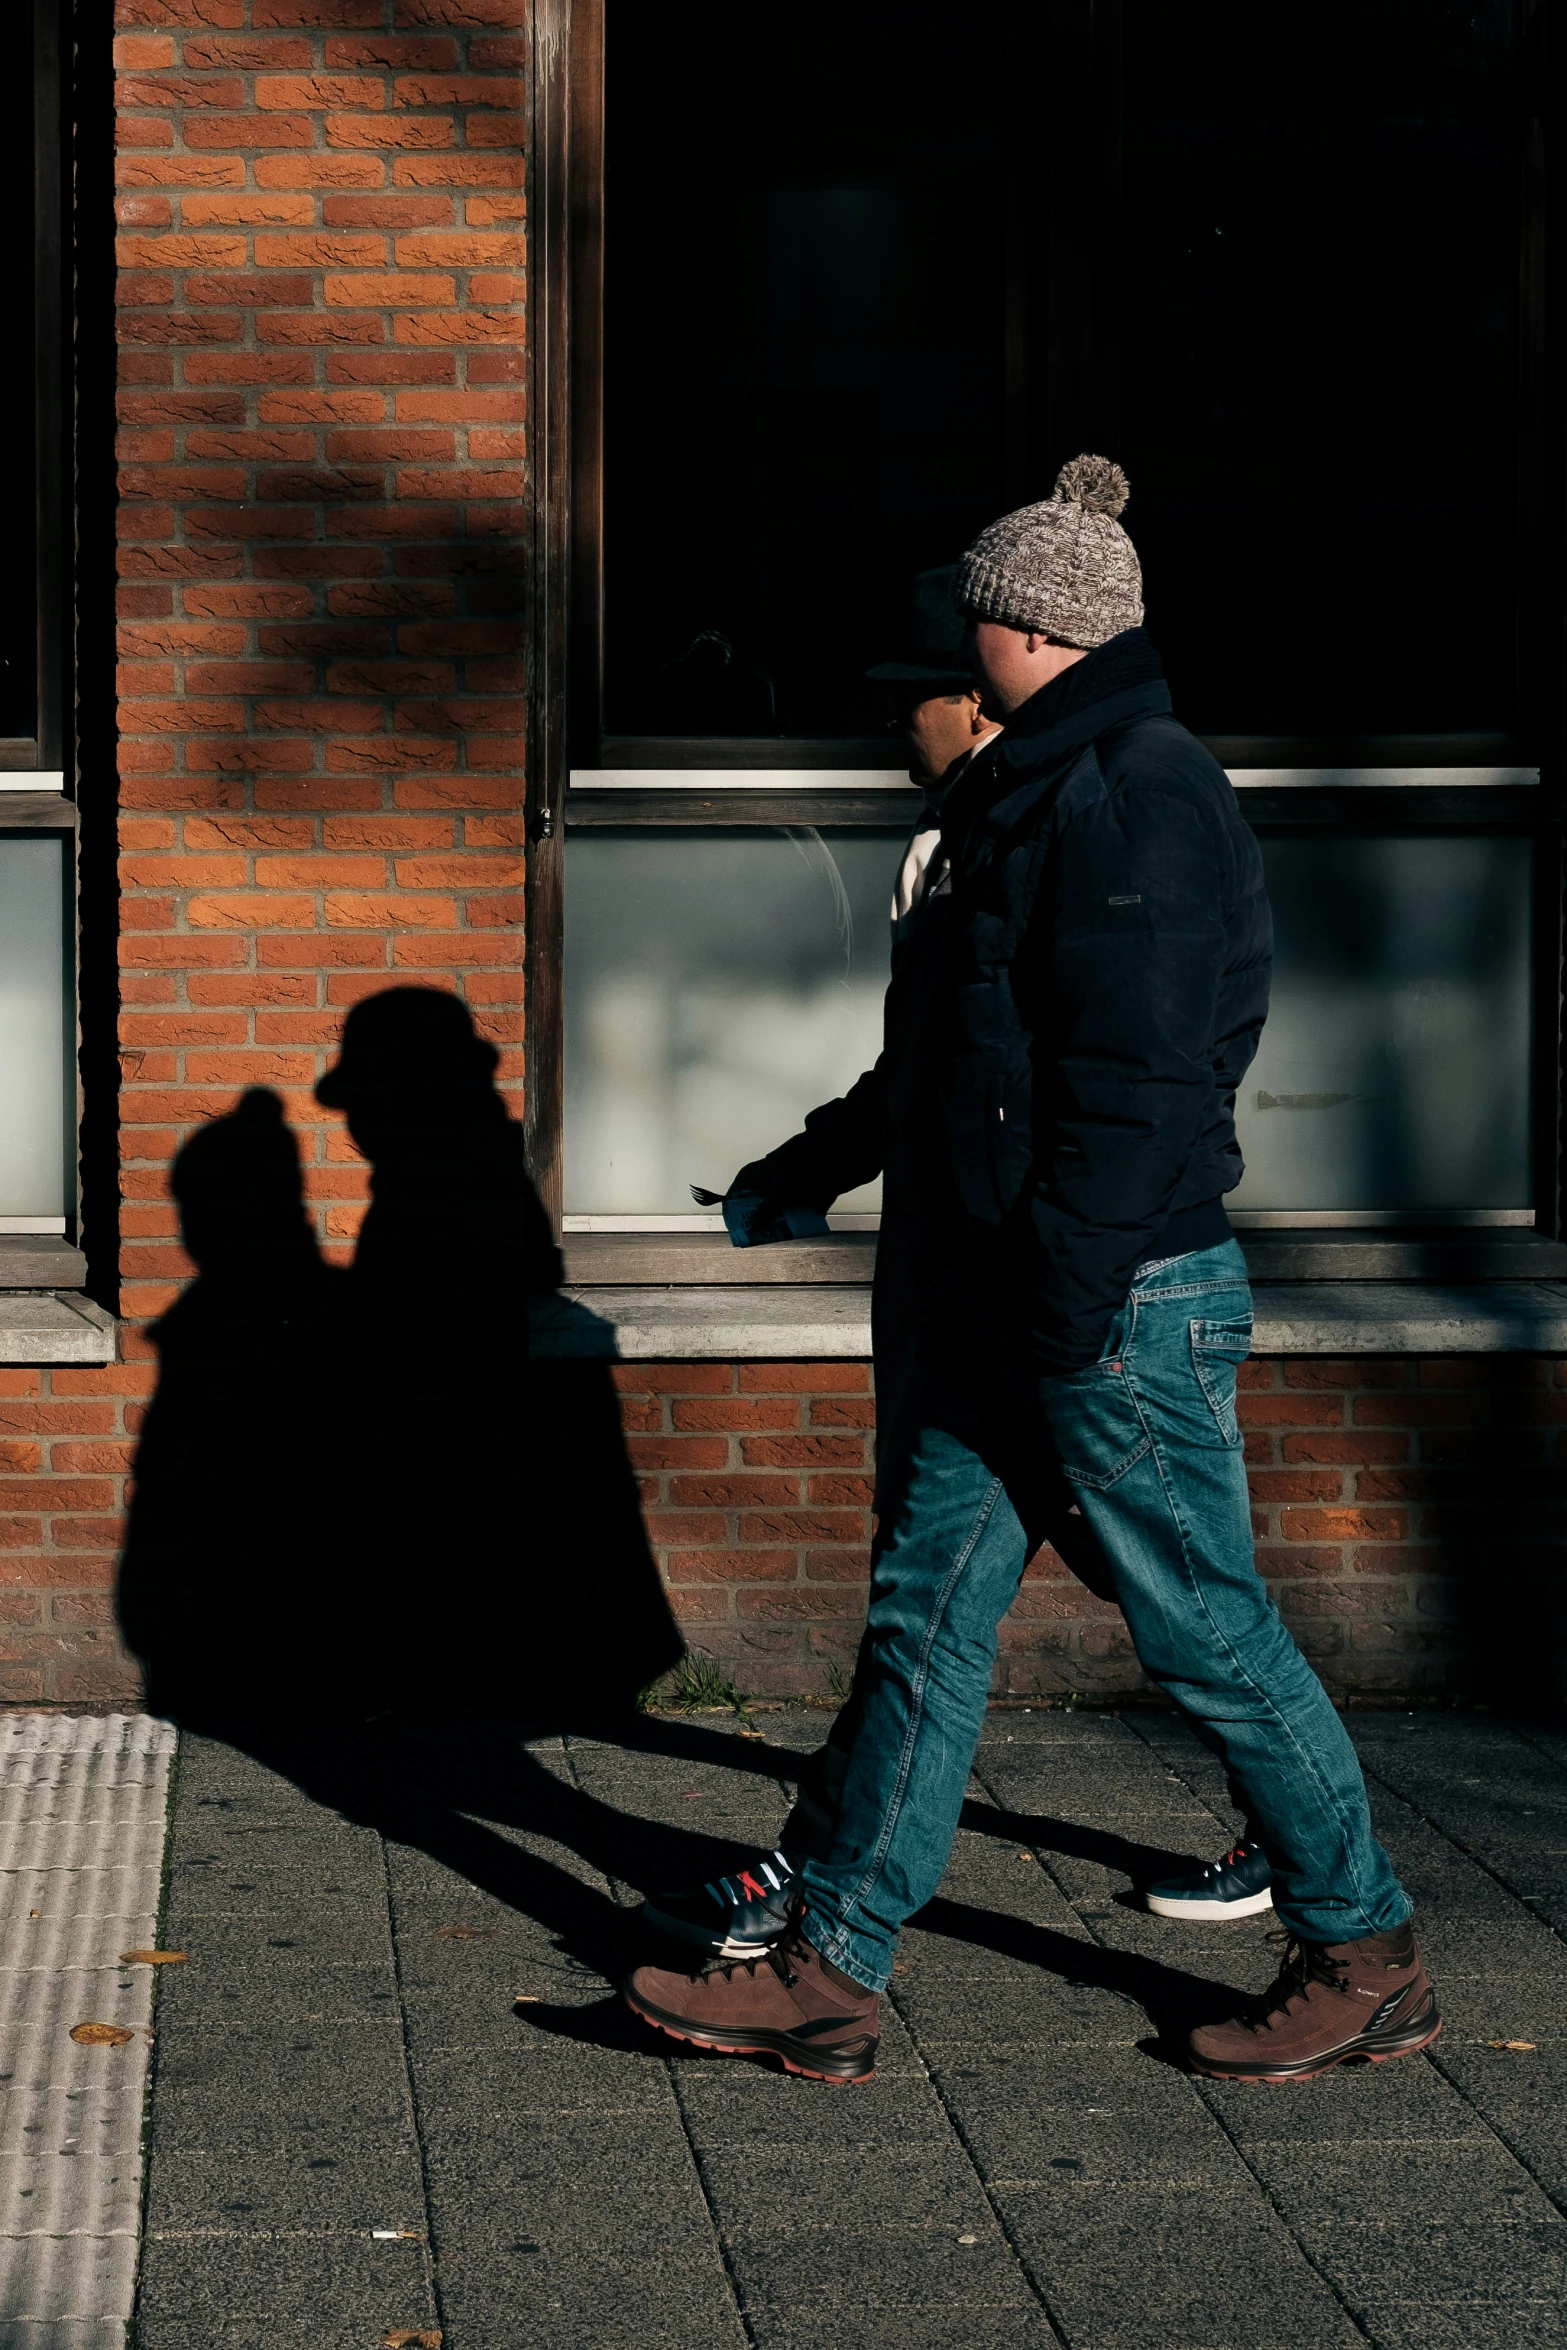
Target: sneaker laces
pixel 778 1955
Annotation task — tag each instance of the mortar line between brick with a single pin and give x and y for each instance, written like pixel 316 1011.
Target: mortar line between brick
pixel 1052 2316
pixel 697 2165
pixel 1434 2057
pixel 1360 2326
pixel 155 2056
pixel 1464 1851
pixel 700 2168
pixel 432 2264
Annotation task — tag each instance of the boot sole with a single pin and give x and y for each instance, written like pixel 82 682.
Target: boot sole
pixel 1405 2039
pixel 1246 1906
pixel 846 2072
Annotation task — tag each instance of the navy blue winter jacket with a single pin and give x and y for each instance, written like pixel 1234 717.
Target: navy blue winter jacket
pixel 1112 945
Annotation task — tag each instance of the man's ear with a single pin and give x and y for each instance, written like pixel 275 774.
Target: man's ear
pixel 977 721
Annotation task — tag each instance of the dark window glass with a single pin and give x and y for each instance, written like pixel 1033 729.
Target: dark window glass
pixel 18 435
pixel 1319 358
pixel 805 336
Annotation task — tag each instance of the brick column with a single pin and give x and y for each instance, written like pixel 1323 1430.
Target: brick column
pixel 321 254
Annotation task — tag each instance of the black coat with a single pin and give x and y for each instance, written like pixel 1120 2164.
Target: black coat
pixel 1110 961
pixel 890 1124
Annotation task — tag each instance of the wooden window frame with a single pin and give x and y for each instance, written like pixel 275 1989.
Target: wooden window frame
pixel 44 752
pixel 566 735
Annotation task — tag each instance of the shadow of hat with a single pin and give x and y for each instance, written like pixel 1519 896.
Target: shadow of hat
pixel 413 1041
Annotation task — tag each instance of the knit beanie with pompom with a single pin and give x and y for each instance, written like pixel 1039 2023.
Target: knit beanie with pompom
pixel 1064 568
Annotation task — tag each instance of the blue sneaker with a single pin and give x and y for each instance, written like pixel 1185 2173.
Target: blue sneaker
pixel 736 1917
pixel 1237 1886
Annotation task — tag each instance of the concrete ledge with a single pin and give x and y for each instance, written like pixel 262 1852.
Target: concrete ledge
pixel 35 1260
pixel 775 1322
pixel 51 1326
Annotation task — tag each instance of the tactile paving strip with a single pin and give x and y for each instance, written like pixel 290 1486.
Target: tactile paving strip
pixel 83 1808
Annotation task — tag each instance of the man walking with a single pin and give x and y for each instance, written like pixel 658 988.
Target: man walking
pixel 1106 985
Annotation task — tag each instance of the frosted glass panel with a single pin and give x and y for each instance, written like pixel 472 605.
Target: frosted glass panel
pixel 33 1173
pixel 1394 1069
pixel 718 986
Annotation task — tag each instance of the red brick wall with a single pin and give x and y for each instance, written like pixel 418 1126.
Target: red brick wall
pixel 1409 1520
pixel 321 385
pixel 1407 1517
pixel 321 333
pixel 321 407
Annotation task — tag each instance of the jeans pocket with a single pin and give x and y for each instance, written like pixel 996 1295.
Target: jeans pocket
pixel 1218 1351
pixel 1095 1427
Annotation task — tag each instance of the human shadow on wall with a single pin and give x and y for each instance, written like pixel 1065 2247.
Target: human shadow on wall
pixel 361 1492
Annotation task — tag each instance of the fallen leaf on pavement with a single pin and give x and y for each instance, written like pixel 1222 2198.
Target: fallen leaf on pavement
pixel 100 2035
pixel 412 2338
pixel 153 1957
pixel 1519 2045
pixel 526 1999
pixel 465 1933
pixel 748 1733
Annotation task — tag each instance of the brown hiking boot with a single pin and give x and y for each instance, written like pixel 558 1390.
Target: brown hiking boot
pixel 786 2002
pixel 1332 2001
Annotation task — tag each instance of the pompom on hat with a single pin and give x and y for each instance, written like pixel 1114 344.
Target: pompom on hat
pixel 1064 568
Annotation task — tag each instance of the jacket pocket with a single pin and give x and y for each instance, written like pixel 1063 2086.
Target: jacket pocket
pixel 1218 1351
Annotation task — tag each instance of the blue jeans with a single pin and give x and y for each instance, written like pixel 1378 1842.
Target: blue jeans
pixel 1148 1445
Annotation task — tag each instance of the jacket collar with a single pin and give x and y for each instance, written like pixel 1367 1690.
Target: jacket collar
pixel 1121 679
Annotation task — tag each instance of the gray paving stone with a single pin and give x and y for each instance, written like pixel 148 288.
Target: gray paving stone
pixel 1395 2104
pixel 285 2086
pixel 756 2186
pixel 1491 2265
pixel 528 2295
pixel 1467 2180
pixel 735 2105
pixel 1190 2268
pixel 1010 2327
pixel 239 2286
pixel 1534 2324
pixel 203 2190
pixel 878 2268
pixel 538 2078
pixel 1522 2095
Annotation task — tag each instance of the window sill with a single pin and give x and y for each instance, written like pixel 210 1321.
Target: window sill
pixel 774 1321
pixel 708 1260
pixel 42 1326
pixel 37 1260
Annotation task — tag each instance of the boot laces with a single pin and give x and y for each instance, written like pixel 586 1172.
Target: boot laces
pixel 1303 1964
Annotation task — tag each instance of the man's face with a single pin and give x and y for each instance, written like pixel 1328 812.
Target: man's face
pixel 1012 664
pixel 939 728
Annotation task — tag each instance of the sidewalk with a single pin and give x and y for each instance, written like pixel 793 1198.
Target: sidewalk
pixel 356 2138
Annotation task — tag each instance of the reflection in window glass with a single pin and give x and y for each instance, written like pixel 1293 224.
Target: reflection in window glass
pixel 34 1175
pixel 1319 358
pixel 804 344
pixel 18 476
pixel 1394 1068
pixel 718 986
